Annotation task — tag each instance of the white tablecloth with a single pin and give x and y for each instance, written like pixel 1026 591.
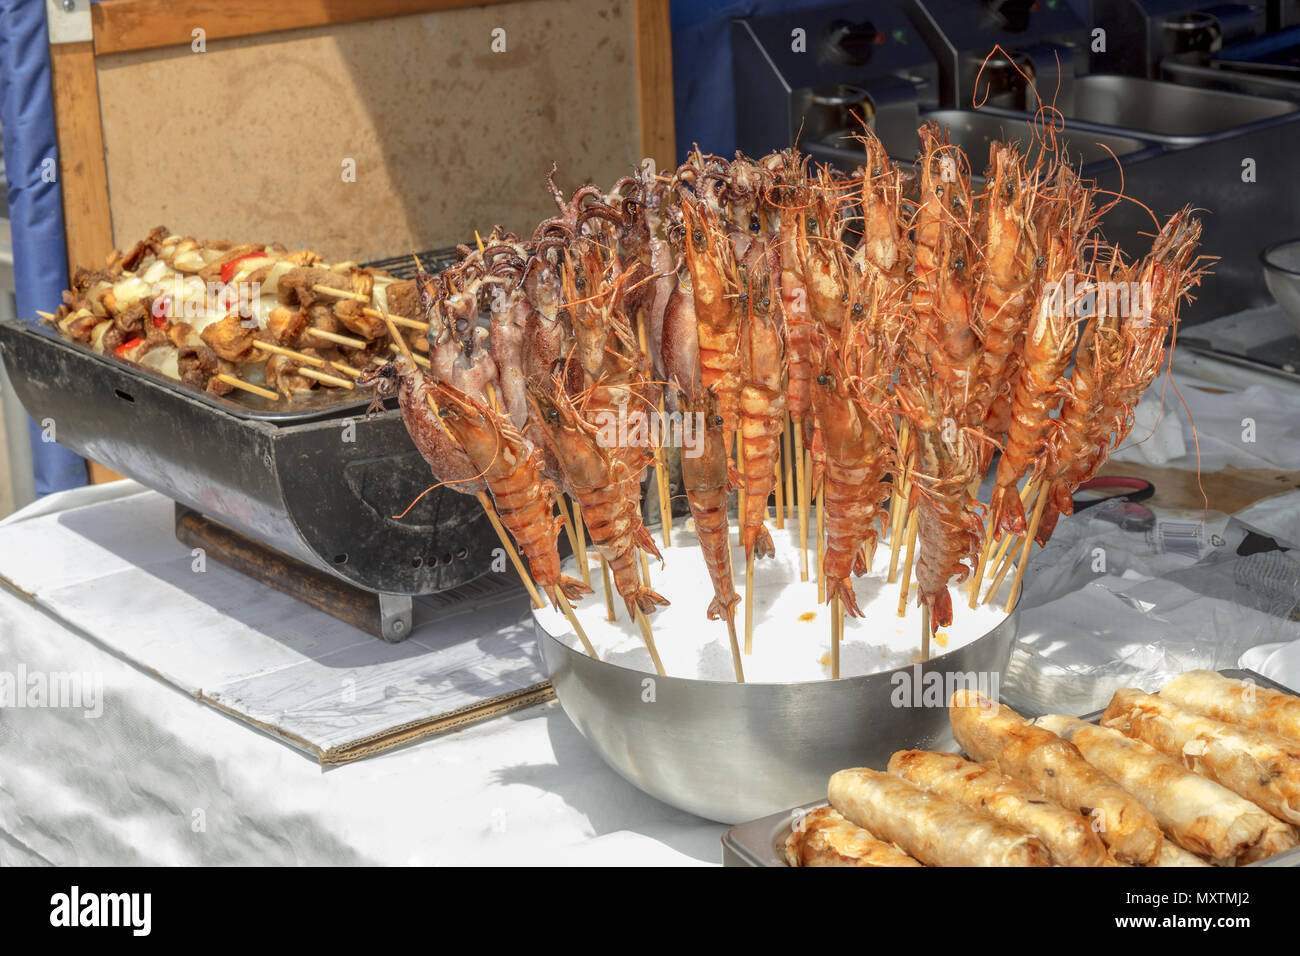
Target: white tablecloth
pixel 160 778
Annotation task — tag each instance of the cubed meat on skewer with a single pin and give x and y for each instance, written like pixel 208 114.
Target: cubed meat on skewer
pixel 351 313
pixel 229 338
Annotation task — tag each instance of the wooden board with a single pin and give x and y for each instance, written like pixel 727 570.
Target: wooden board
pixel 248 139
pixel 82 176
pixel 654 77
pixel 1228 491
pixel 122 25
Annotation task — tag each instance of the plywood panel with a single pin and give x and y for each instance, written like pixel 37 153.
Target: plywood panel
pixel 81 154
pixel 248 140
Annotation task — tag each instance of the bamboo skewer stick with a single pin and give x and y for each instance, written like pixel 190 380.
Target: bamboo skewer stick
pixel 347 369
pixel 331 291
pixel 45 315
pixel 337 339
pixel 1005 557
pixel 821 547
pixel 780 490
pixel 647 635
pixel 790 488
pixel 803 502
pixel 567 608
pixel 569 530
pixel 740 492
pixel 1030 531
pixel 580 533
pixel 373 313
pixel 511 551
pixel 610 615
pixel 749 603
pixel 926 632
pixel 898 507
pixel 907 565
pixel 661 476
pixel 415 357
pixel 735 651
pixel 837 627
pixel 1003 561
pixel 281 350
pixel 325 378
pixel 255 389
pixel 978 577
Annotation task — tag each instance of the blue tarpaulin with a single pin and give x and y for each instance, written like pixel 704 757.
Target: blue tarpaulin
pixel 35 202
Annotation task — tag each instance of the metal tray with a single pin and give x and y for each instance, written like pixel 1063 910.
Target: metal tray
pixel 320 489
pixel 761 842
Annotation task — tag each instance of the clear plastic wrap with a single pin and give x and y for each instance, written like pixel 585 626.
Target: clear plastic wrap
pixel 1105 607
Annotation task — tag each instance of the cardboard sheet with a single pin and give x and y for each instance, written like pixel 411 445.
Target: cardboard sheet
pixel 115 571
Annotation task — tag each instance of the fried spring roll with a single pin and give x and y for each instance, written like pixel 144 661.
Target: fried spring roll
pixel 930 827
pixel 1171 854
pixel 996 734
pixel 1197 813
pixel 1262 767
pixel 825 838
pixel 1277 837
pixel 1068 837
pixel 1236 702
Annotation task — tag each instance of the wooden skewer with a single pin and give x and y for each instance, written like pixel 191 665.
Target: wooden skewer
pixel 337 339
pixel 740 492
pixel 803 501
pixel 609 590
pixel 790 489
pixel 325 378
pixel 573 622
pixel 648 636
pixel 661 476
pixel 1005 557
pixel 570 531
pixel 978 577
pixel 340 293
pixel 45 315
pixel 240 383
pixel 837 625
pixel 926 631
pixel 749 603
pixel 982 567
pixel 735 651
pixel 1003 561
pixel 1032 530
pixel 898 508
pixel 780 491
pixel 511 550
pixel 416 357
pixel 821 547
pixel 580 533
pixel 281 350
pixel 347 369
pixel 907 565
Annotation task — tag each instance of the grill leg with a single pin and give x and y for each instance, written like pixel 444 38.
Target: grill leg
pixel 386 616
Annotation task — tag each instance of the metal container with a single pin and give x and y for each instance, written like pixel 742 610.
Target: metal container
pixel 319 485
pixel 1282 275
pixel 761 842
pixel 1167 112
pixel 731 752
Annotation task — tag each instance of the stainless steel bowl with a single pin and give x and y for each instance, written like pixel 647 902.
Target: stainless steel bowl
pixel 732 752
pixel 1282 275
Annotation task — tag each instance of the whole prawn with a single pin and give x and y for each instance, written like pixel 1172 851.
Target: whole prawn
pixel 706 479
pixel 608 491
pixel 855 461
pixel 512 471
pixel 710 260
pixel 1049 343
pixel 762 406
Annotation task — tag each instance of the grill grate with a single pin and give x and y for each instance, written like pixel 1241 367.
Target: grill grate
pixel 403 267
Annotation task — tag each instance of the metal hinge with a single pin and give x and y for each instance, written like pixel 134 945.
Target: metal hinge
pixel 68 21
